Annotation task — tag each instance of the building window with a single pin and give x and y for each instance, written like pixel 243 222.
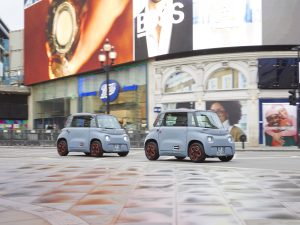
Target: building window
pixel 180 82
pixel 226 79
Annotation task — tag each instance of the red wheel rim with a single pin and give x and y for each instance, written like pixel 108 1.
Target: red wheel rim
pixel 195 152
pixel 95 148
pixel 150 150
pixel 62 147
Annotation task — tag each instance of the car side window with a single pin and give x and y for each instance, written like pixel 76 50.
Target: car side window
pixel 178 119
pixel 81 121
pixel 159 120
pixel 68 121
pixel 204 122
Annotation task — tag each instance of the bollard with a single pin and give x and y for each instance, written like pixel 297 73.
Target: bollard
pixel 243 138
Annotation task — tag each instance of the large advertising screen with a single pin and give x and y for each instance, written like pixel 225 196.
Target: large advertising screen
pixel 162 27
pixel 64 37
pixel 279 124
pixel 227 23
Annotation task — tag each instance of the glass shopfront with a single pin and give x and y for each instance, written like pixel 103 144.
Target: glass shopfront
pixel 127 95
pixel 54 101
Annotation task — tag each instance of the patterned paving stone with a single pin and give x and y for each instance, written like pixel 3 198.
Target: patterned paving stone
pixel 113 190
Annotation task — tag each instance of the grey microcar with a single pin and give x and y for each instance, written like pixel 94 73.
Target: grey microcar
pixel 189 133
pixel 93 134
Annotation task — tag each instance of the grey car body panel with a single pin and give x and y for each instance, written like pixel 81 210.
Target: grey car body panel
pixel 79 139
pixel 175 140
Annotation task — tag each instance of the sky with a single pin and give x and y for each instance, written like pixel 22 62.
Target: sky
pixel 12 14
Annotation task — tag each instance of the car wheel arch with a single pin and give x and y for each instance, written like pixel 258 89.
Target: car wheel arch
pixel 62 139
pixel 151 140
pixel 192 142
pixel 62 147
pixel 151 149
pixel 95 139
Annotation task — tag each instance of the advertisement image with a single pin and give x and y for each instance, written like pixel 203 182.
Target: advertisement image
pixel 64 37
pixel 225 23
pixel 279 124
pixel 162 27
pixel 233 117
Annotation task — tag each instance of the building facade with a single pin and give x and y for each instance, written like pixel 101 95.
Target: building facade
pixel 199 81
pixel 226 56
pixel 13 95
pixel 4 51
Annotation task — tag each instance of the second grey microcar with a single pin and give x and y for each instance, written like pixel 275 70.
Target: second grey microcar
pixel 189 133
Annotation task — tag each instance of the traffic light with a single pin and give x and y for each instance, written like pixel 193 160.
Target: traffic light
pixel 292 97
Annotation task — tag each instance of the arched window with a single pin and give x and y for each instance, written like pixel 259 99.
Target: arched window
pixel 180 82
pixel 226 79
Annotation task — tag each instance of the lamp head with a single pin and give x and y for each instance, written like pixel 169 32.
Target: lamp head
pixel 107 45
pixel 112 54
pixel 102 56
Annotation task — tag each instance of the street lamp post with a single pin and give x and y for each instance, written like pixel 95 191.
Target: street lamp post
pixel 106 57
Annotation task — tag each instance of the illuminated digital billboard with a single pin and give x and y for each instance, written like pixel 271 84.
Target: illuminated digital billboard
pixel 227 23
pixel 64 37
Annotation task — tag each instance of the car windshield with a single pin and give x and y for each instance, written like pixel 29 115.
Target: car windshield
pixel 208 120
pixel 108 122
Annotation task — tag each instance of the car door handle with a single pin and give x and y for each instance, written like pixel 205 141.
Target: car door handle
pixel 68 131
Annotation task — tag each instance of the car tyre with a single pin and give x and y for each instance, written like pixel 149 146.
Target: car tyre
pixel 123 154
pixel 96 149
pixel 196 152
pixel 87 153
pixel 62 147
pixel 226 158
pixel 151 150
pixel 180 157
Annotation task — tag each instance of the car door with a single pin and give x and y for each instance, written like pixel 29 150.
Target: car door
pixel 79 133
pixel 173 133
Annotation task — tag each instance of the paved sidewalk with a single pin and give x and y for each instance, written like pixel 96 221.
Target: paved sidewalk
pixel 16 213
pixel 112 191
pixel 9 216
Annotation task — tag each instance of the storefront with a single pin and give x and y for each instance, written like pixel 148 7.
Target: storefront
pixel 225 83
pixel 53 101
pixel 127 97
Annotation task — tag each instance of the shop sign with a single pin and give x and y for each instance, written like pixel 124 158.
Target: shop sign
pixel 157 109
pixel 114 89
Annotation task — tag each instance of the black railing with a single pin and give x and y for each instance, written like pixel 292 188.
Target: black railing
pixel 41 137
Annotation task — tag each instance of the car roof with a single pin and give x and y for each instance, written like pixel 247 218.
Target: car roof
pixel 89 114
pixel 185 110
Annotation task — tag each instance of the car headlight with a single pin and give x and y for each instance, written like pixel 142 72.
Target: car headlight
pixel 126 138
pixel 230 139
pixel 107 138
pixel 210 139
